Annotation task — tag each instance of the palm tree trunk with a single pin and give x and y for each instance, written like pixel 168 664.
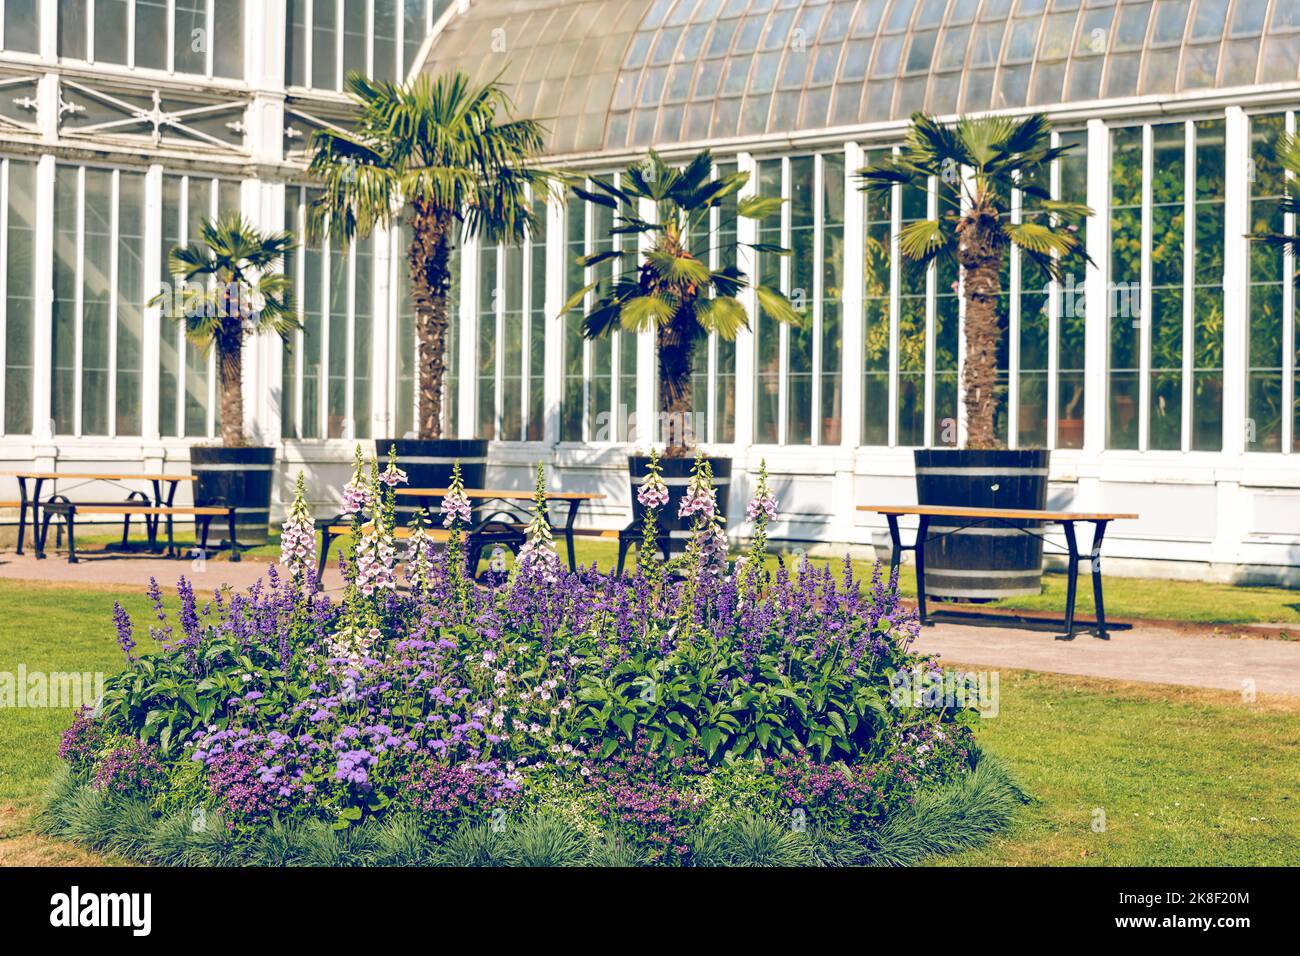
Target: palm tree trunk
pixel 676 350
pixel 429 263
pixel 981 258
pixel 230 379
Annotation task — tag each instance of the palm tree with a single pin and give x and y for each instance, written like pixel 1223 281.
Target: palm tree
pixel 228 288
pixel 669 288
pixel 439 150
pixel 1286 152
pixel 977 162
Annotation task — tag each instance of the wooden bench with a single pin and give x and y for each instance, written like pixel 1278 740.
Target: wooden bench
pixel 333 529
pixel 1005 517
pixel 67 511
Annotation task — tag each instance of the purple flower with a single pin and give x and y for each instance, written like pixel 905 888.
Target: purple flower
pixel 122 621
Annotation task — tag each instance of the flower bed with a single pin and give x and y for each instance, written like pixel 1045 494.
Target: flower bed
pixel 693 713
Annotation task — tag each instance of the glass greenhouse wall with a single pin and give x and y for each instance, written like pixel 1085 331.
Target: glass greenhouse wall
pixel 1162 373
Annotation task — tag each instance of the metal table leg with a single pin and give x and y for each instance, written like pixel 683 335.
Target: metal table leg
pixel 918 549
pixel 568 532
pixel 1072 587
pixel 1098 534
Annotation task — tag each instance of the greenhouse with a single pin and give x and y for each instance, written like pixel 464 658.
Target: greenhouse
pixel 1162 374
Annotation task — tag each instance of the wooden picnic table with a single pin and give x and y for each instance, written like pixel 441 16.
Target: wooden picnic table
pixel 1005 517
pixel 29 503
pixel 503 526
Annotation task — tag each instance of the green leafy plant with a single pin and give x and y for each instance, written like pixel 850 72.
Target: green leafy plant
pixel 228 288
pixel 669 288
pixel 977 162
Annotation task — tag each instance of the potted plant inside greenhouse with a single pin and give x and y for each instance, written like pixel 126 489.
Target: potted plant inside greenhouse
pixel 664 284
pixel 976 165
pixel 229 287
pixel 444 152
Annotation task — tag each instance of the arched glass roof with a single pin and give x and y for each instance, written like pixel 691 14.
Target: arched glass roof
pixel 605 74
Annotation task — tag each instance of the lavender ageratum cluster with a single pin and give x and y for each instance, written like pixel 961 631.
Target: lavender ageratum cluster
pixel 626 698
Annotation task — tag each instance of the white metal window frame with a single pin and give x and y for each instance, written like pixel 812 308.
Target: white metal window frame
pixel 79 303
pixel 170 39
pixel 309 52
pixel 614 340
pixel 814 297
pixel 1188 356
pixel 380 302
pixel 1289 331
pixel 213 186
pixel 529 281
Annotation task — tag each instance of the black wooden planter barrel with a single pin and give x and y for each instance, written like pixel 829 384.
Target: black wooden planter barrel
pixel 428 463
pixel 982 563
pixel 676 473
pixel 240 478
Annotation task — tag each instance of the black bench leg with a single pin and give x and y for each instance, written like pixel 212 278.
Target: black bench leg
pixel 40 535
pixel 896 544
pixel 623 545
pixel 568 534
pixel 234 542
pixel 72 544
pixel 1072 585
pixel 22 516
pixel 326 539
pixel 919 551
pixel 1097 536
pixel 201 525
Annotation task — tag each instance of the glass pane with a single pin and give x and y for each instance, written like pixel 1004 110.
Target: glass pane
pixel 363 334
pixel 20 300
pixel 73 24
pixel 1168 219
pixel 385 40
pixel 803 226
pixel 110 31
pixel 911 332
pixel 413 32
pixel 169 333
pixel 571 402
pixel 339 422
pixel 876 279
pixel 130 303
pixel 151 39
pixel 191 40
pixel 536 422
pixel 1207 362
pixel 228 38
pixel 1071 307
pixel 355 42
pixel 289 354
pixel 295 42
pixel 1264 409
pixel 829 432
pixel 324 50
pixel 487 342
pixel 512 344
pixel 96 287
pixel 1124 350
pixel 767 363
pixel 22 26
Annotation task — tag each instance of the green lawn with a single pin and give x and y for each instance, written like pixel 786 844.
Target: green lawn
pixel 1183 776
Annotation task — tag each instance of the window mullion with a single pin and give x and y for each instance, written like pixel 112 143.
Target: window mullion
pixel 931 302
pixel 819 229
pixel 1189 281
pixel 895 303
pixel 1288 323
pixel 350 337
pixel 1053 319
pixel 783 333
pixel 115 194
pixel 4 276
pixel 1013 330
pixel 79 299
pixel 1144 309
